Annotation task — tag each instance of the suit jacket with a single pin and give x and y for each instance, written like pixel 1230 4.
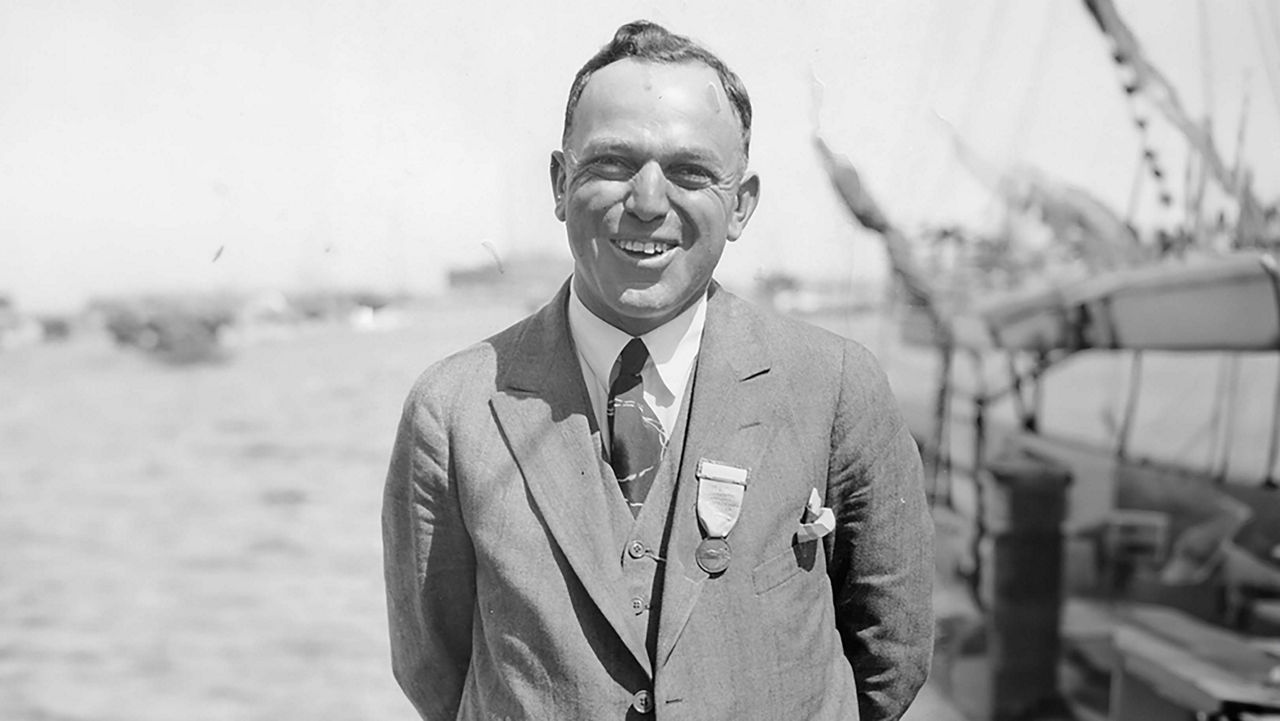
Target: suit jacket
pixel 504 591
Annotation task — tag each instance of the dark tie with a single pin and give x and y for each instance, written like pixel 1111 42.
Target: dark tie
pixel 637 438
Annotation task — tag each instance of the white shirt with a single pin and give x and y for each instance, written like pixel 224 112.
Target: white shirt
pixel 673 348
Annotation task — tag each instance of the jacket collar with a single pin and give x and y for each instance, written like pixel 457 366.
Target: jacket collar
pixel 732 417
pixel 541 405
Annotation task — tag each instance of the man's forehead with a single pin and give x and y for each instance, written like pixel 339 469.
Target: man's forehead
pixel 644 72
pixel 691 88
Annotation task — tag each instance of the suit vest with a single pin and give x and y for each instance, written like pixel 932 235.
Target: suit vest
pixel 642 540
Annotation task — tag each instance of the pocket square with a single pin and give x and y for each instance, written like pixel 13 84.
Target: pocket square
pixel 818 520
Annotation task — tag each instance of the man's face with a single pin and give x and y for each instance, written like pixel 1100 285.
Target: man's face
pixel 650 184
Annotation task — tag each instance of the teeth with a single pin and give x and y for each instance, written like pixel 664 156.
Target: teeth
pixel 647 247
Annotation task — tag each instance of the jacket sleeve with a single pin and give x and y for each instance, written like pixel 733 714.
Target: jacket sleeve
pixel 429 564
pixel 882 552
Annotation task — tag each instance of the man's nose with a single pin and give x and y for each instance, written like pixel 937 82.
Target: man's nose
pixel 647 199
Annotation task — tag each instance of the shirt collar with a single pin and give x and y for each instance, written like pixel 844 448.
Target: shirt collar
pixel 673 346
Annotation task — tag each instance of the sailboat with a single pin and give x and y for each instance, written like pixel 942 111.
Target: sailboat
pixel 1199 539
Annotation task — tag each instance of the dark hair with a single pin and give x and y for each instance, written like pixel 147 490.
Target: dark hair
pixel 651 42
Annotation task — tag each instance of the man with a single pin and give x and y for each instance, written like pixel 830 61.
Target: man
pixel 723 519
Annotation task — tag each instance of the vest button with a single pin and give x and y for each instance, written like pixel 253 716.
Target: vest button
pixel 637 604
pixel 642 701
pixel 636 549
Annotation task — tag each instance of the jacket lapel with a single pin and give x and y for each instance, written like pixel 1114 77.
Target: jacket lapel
pixel 730 421
pixel 541 404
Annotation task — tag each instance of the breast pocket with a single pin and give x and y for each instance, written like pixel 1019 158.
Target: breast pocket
pixel 798 558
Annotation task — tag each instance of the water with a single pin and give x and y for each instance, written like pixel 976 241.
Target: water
pixel 203 542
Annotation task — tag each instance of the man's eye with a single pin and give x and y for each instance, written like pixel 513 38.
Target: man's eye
pixel 691 176
pixel 611 167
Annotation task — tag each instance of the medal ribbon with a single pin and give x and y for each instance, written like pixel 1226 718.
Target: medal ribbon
pixel 720 492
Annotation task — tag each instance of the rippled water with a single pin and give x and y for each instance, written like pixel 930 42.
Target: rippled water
pixel 203 542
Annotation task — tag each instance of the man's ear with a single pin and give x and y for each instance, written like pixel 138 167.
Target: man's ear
pixel 747 197
pixel 559 182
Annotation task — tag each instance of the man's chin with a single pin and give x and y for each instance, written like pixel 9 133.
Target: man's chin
pixel 643 304
pixel 647 309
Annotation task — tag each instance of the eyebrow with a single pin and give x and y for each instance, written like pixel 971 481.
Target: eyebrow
pixel 622 147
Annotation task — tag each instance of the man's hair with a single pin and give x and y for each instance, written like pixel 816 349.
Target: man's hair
pixel 653 43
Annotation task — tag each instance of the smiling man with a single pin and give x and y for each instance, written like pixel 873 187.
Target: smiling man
pixel 649 498
pixel 651 184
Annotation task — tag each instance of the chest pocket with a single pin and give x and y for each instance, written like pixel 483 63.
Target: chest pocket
pixel 798 558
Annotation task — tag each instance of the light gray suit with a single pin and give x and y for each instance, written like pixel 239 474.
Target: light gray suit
pixel 505 596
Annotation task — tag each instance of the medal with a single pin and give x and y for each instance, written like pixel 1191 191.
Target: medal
pixel 720 491
pixel 713 555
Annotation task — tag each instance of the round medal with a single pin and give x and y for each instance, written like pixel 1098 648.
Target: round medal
pixel 713 555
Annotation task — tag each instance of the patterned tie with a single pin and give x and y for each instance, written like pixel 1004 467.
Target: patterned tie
pixel 637 436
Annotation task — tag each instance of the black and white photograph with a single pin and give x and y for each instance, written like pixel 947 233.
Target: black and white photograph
pixel 385 360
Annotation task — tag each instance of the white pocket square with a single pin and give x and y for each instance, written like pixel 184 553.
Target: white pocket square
pixel 818 520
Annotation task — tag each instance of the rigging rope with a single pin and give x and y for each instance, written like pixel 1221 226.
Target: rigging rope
pixel 1229 379
pixel 1206 58
pixel 1274 83
pixel 1131 405
pixel 1155 88
pixel 942 184
pixel 1030 102
pixel 1273 447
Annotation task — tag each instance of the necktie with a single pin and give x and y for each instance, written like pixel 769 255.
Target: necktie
pixel 637 439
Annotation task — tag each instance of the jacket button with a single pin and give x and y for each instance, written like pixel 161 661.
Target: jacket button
pixel 637 604
pixel 642 701
pixel 635 549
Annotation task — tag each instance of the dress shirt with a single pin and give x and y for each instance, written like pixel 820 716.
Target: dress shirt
pixel 673 348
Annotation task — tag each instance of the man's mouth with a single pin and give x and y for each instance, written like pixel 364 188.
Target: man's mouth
pixel 643 248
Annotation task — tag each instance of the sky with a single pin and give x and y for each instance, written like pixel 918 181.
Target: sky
pixel 154 146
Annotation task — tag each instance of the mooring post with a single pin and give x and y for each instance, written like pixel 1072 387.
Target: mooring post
pixel 1021 581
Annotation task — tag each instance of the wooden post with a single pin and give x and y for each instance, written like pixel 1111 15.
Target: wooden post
pixel 1021 586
